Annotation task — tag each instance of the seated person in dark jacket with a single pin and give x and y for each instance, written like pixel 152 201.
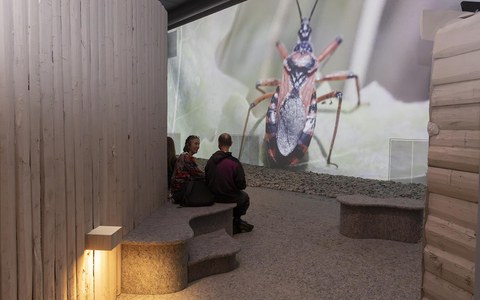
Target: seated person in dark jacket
pixel 225 177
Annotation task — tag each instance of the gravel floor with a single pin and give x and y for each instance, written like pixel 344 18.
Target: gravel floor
pixel 327 185
pixel 297 252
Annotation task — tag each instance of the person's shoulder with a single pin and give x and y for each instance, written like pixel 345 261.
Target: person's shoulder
pixel 212 157
pixel 231 157
pixel 185 156
pixel 210 160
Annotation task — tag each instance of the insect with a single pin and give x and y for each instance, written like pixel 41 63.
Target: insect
pixel 291 114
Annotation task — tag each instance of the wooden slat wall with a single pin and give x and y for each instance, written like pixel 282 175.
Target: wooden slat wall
pixel 454 160
pixel 8 246
pixel 83 106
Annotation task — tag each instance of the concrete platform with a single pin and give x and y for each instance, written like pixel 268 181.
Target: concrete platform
pixel 396 219
pixel 157 255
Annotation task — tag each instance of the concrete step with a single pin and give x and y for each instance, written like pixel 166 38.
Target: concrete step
pixel 211 253
pixel 212 220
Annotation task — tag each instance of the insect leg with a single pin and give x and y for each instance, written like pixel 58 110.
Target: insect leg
pixel 343 75
pixel 266 82
pixel 328 51
pixel 282 50
pixel 252 105
pixel 339 96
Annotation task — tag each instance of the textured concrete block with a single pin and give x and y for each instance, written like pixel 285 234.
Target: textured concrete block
pixel 155 255
pixel 398 219
pixel 212 253
pixel 154 269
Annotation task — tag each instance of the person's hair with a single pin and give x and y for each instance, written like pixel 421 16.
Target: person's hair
pixel 171 149
pixel 224 140
pixel 189 139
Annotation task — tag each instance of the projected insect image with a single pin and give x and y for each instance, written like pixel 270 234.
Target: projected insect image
pixel 292 112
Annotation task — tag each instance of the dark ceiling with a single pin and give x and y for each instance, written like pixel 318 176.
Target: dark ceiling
pixel 181 12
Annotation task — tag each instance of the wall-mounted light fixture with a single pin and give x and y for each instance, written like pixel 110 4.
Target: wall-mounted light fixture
pixel 103 238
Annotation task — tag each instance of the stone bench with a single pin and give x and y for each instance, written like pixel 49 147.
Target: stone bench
pixel 398 219
pixel 176 245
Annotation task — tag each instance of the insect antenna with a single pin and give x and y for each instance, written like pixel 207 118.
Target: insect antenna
pixel 313 9
pixel 300 11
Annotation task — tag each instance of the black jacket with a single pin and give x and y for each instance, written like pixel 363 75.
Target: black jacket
pixel 225 175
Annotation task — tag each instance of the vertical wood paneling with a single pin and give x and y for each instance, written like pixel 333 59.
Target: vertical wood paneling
pixel 47 178
pixel 150 106
pixel 139 149
pixel 35 127
pixel 123 30
pixel 137 152
pixel 22 149
pixel 129 101
pixel 69 151
pixel 133 145
pixel 116 104
pixel 114 110
pixel 86 140
pixel 128 217
pixel 109 113
pixel 146 176
pixel 96 129
pixel 139 171
pixel 102 121
pixel 157 137
pixel 59 156
pixel 161 92
pixel 149 110
pixel 120 82
pixel 82 132
pixel 144 109
pixel 84 285
pixel 8 249
pixel 95 112
pixel 3 122
pixel 86 117
pixel 156 100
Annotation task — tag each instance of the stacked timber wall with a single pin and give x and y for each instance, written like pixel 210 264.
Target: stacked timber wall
pixel 453 163
pixel 82 138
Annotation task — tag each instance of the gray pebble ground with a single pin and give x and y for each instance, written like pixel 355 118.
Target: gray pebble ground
pixel 327 185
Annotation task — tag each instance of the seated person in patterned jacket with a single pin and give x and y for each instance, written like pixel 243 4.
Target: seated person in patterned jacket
pixel 186 169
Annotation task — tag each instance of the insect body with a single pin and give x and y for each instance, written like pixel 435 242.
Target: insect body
pixel 291 114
